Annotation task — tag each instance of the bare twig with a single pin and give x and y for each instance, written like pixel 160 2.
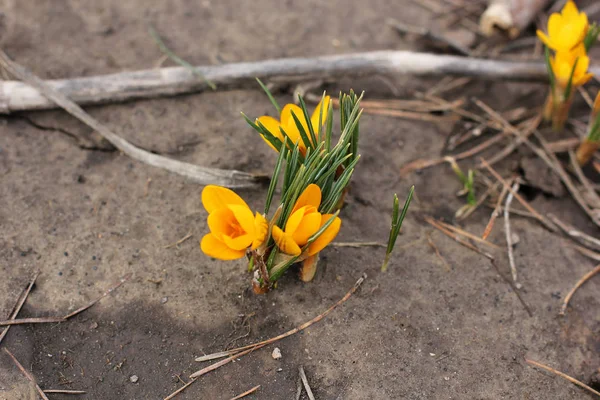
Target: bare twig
pixel 17 96
pixel 514 288
pixel 562 375
pixel 246 393
pixel 64 391
pixel 585 251
pixel 581 237
pixel 27 374
pixel 495 213
pixel 584 181
pixel 468 234
pixel 177 243
pixel 19 305
pixel 42 320
pixel 357 244
pixel 437 253
pixel 448 233
pixel 521 200
pixel 509 244
pixel 202 175
pixel 583 280
pixel 309 392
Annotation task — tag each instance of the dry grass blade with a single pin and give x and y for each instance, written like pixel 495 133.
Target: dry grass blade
pixel 425 163
pixel 43 320
pixel 588 241
pixel 495 213
pixel 411 115
pixel 586 252
pixel 562 375
pixel 438 253
pixel 429 34
pixel 19 305
pixel 64 391
pixel 583 280
pixel 309 392
pixel 177 243
pixel 448 233
pixel 509 244
pixel 27 374
pixel 357 244
pixel 246 393
pixel 469 235
pixel 592 195
pixel 202 175
pixel 521 200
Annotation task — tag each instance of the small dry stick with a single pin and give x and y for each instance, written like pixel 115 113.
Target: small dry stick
pixel 43 320
pixel 62 391
pixel 309 392
pixel 183 239
pixel 299 388
pixel 357 244
pixel 448 233
pixel 27 374
pixel 467 234
pixel 437 252
pixel 19 305
pixel 562 375
pixel 495 213
pixel 521 200
pixel 585 251
pixel 583 280
pixel 509 244
pixel 584 181
pixel 246 393
pixel 588 241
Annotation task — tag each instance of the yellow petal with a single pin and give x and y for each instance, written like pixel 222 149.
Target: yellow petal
pixel 583 80
pixel 285 242
pixel 326 237
pixel 272 126
pixel 544 38
pixel 311 196
pixel 570 10
pixel 213 247
pixel 214 197
pixel 261 228
pixel 309 225
pixel 244 217
pixel 316 115
pixel 221 222
pixel 555 24
pixel 238 242
pixel 289 124
pixel 294 220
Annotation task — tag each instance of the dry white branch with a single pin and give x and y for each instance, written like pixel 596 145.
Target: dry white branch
pixel 18 96
pixel 202 175
pixel 510 15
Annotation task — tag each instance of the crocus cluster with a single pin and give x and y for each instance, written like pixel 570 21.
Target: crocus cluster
pixel 570 36
pixel 316 175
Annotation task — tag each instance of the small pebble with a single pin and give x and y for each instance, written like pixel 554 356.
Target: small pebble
pixel 276 354
pixel 164 300
pixel 66 254
pixel 279 369
pixel 133 378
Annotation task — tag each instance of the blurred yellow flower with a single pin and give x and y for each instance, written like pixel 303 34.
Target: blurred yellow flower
pixel 565 30
pixel 304 221
pixel 562 66
pixel 233 227
pixel 288 124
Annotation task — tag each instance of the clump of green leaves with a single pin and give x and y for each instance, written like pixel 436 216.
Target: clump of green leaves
pixel 397 219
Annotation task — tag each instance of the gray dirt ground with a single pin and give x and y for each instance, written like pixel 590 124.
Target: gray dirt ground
pixel 83 218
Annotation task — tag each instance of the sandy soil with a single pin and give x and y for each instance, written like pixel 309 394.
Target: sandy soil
pixel 84 218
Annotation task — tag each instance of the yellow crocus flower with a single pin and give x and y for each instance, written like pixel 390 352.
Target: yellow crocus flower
pixel 287 123
pixel 565 30
pixel 562 66
pixel 304 221
pixel 233 226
